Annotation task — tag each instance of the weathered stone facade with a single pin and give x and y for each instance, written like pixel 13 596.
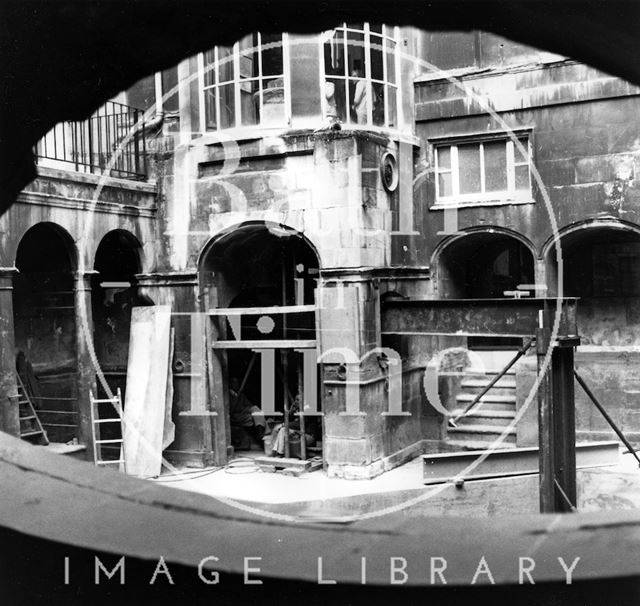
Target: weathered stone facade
pixel 585 146
pixel 210 196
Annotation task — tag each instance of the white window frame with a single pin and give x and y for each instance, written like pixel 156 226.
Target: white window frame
pixel 386 84
pixel 237 81
pixel 509 196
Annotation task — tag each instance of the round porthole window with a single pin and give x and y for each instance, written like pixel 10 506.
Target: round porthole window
pixel 389 171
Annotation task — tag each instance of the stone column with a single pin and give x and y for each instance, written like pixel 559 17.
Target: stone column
pixel 348 335
pixel 9 411
pixel 86 372
pixel 541 279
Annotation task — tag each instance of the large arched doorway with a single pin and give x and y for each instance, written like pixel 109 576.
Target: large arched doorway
pixel 484 265
pixel 113 295
pixel 480 265
pixel 45 327
pixel 601 266
pixel 262 266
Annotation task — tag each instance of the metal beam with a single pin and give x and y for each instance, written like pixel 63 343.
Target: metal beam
pixel 477 317
pixel 446 467
pixel 556 427
pixel 516 318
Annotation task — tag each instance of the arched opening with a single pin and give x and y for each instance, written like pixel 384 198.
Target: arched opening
pixel 485 265
pixel 601 265
pixel 259 265
pixel 113 295
pixel 45 327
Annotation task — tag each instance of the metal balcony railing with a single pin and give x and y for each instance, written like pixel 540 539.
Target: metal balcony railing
pixel 98 143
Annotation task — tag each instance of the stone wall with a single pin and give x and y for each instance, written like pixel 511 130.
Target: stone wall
pixel 82 209
pixel 326 185
pixel 612 374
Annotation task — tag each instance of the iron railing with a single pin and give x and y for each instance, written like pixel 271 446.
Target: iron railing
pixel 98 143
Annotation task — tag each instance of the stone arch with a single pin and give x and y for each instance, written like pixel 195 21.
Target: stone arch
pixel 601 266
pixel 589 224
pixel 451 262
pixel 45 325
pixel 53 233
pixel 484 263
pixel 258 264
pixel 117 261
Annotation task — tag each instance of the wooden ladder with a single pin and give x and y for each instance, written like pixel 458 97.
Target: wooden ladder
pixel 30 425
pixel 96 421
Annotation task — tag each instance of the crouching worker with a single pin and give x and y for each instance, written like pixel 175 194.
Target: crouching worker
pixel 246 427
pixel 295 433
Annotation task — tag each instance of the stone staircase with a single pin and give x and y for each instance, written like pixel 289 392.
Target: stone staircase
pixel 496 409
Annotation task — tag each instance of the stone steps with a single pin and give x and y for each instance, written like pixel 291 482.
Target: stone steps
pixel 474 444
pixel 480 416
pixel 499 402
pixel 482 433
pixel 505 386
pixel 495 411
pixel 488 372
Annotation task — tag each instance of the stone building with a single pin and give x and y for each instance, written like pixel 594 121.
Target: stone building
pixel 325 174
pixel 578 132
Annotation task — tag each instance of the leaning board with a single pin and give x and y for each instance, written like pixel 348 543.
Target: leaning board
pixel 145 400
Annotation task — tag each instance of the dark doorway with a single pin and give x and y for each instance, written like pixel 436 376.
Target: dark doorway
pixel 45 326
pixel 485 266
pixel 113 294
pixel 263 266
pixel 602 267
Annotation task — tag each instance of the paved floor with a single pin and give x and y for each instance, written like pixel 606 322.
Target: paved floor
pixel 243 480
pixel 400 490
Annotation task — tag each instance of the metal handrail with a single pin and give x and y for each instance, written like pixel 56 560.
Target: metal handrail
pixel 523 350
pixel 605 414
pixel 89 145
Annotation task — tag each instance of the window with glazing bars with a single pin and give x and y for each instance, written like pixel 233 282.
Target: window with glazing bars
pixel 361 74
pixel 484 170
pixel 244 85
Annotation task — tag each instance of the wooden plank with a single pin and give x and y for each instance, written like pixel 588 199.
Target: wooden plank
pixel 283 462
pixel 217 432
pixel 546 442
pixel 169 429
pixel 265 344
pixel 64 449
pixel 283 309
pixel 144 410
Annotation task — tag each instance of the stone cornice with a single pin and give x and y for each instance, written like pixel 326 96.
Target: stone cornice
pixel 91 179
pixel 85 204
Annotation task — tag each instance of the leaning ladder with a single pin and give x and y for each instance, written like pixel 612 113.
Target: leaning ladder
pixel 28 416
pixel 96 421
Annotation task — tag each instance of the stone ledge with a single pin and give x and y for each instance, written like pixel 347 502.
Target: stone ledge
pixel 84 204
pixel 91 179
